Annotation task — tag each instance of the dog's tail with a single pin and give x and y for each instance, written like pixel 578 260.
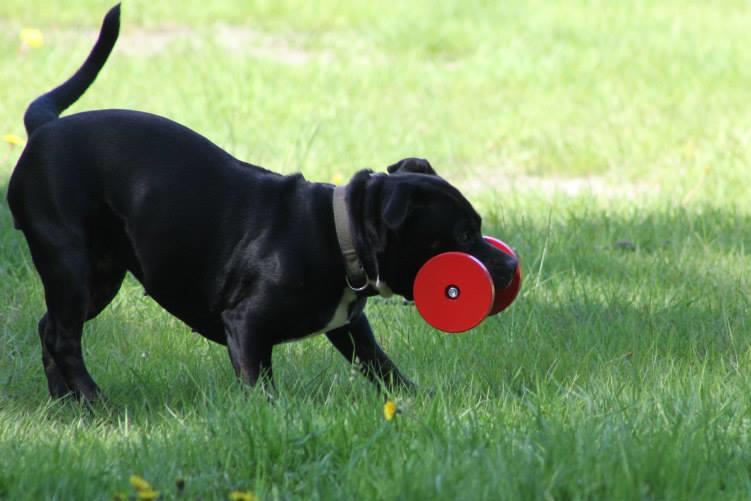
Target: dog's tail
pixel 48 106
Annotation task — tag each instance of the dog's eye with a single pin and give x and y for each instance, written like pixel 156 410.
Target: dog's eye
pixel 465 237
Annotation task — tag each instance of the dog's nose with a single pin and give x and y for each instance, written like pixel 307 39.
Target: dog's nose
pixel 511 263
pixel 500 261
pixel 503 273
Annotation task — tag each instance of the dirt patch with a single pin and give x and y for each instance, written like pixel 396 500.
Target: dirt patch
pixel 140 42
pixel 288 49
pixel 483 180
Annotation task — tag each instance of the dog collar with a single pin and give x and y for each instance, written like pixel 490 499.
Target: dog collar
pixel 356 278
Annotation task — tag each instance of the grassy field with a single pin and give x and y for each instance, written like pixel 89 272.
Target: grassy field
pixel 608 142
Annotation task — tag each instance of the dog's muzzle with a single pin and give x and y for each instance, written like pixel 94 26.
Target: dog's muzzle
pixel 455 291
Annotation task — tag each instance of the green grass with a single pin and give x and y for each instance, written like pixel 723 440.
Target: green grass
pixel 620 372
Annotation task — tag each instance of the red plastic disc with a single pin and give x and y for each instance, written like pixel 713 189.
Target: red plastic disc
pixel 453 292
pixel 504 297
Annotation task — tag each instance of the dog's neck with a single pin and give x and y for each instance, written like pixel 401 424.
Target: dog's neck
pixel 356 276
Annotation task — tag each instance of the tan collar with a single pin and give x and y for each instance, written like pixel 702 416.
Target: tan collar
pixel 357 278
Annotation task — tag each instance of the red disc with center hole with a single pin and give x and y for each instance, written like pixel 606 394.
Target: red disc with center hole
pixel 504 297
pixel 453 292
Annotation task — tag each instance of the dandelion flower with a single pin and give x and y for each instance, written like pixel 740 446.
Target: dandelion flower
pixel 32 37
pixel 242 496
pixel 139 483
pixel 12 139
pixel 389 410
pixel 337 178
pixel 147 494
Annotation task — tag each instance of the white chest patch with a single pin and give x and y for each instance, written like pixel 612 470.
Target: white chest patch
pixel 341 313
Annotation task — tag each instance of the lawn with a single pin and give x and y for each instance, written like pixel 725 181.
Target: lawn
pixel 609 143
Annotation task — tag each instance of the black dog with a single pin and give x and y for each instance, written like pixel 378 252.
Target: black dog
pixel 244 256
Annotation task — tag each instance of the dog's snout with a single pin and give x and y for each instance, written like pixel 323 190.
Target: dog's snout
pixel 509 270
pixel 502 270
pixel 502 266
pixel 510 262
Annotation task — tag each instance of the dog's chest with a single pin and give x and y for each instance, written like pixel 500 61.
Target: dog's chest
pixel 345 310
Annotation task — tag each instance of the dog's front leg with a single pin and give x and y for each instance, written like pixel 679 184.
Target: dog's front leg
pixel 358 345
pixel 249 352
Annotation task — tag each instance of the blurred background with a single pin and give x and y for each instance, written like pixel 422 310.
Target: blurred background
pixel 620 100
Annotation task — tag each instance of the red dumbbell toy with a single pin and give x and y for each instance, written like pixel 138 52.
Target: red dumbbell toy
pixel 506 296
pixel 454 291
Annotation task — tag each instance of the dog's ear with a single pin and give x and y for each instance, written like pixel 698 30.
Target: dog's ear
pixel 396 202
pixel 413 165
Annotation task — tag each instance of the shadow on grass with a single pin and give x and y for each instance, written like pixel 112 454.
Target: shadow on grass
pixel 677 294
pixel 601 288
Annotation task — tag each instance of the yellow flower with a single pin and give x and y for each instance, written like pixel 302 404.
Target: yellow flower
pixel 140 484
pixel 389 410
pixel 242 496
pixel 148 494
pixel 32 37
pixel 13 139
pixel 337 178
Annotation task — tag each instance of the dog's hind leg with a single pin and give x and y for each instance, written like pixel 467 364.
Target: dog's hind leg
pixel 55 380
pixel 65 270
pixel 103 290
pixel 104 283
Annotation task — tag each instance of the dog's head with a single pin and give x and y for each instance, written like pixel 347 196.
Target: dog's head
pixel 403 219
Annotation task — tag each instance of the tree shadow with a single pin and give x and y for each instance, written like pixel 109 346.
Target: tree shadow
pixel 602 289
